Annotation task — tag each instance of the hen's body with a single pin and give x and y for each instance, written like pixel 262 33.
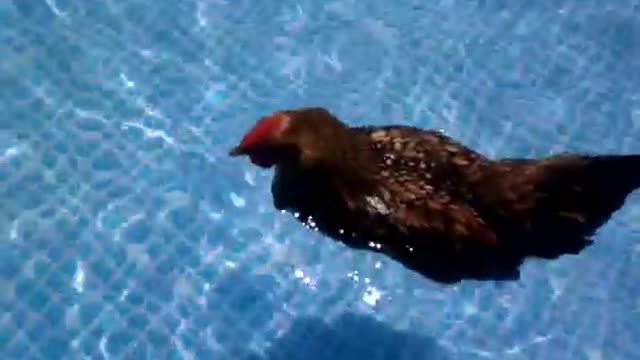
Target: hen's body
pixel 450 213
pixel 438 207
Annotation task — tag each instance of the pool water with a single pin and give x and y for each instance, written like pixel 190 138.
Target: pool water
pixel 127 233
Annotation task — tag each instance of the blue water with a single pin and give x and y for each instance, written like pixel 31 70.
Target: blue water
pixel 127 233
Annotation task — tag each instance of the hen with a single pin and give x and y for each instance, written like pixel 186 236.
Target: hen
pixel 432 204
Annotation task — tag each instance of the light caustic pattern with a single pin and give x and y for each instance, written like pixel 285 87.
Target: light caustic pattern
pixel 127 233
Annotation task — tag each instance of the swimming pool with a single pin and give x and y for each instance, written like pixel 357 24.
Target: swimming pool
pixel 127 233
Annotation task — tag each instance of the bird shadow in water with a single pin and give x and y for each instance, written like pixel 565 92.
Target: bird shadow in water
pixel 351 336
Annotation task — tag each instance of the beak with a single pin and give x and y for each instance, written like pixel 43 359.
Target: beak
pixel 237 151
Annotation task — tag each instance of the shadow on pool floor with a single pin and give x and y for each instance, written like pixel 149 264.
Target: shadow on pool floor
pixel 351 336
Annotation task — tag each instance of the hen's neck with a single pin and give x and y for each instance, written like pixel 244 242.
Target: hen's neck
pixel 350 162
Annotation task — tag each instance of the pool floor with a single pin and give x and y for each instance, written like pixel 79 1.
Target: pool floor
pixel 128 233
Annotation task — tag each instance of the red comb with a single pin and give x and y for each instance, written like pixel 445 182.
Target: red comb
pixel 264 129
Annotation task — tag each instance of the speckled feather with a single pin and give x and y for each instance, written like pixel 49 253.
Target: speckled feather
pixel 423 178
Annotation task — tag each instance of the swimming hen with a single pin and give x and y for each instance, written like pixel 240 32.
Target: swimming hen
pixel 431 203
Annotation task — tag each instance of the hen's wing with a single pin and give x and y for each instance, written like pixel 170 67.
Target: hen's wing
pixel 426 185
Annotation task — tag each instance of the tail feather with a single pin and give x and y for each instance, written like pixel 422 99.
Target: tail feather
pixel 587 189
pixel 562 200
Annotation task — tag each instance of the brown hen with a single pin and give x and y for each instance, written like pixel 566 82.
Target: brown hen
pixel 430 203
